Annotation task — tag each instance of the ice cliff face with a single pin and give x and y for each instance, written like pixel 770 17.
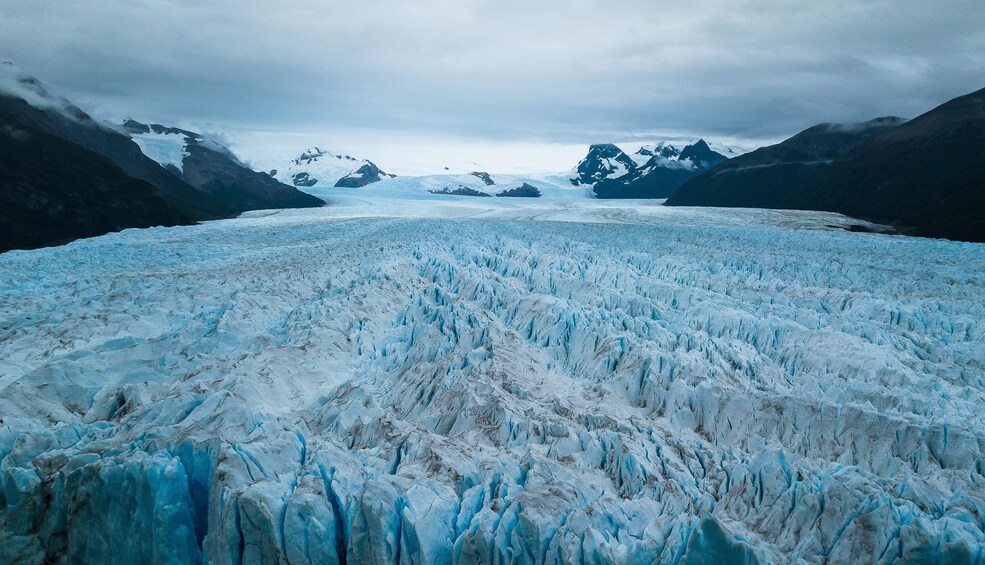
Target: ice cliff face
pixel 614 385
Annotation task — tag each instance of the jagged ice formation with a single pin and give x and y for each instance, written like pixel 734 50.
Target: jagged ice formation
pixel 509 384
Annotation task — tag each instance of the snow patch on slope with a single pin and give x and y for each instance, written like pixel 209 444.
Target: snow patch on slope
pixel 168 148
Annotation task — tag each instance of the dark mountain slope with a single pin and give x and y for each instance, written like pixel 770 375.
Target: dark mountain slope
pixel 658 182
pixel 215 171
pixel 761 178
pixel 926 177
pixel 53 191
pixel 72 124
pixel 65 175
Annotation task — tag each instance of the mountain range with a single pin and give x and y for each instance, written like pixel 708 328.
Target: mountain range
pixel 214 170
pixel 654 171
pixel 65 175
pixel 925 176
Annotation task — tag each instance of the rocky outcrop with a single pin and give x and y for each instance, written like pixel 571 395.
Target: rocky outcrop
pixel 523 191
pixel 484 177
pixel 366 174
pixel 460 191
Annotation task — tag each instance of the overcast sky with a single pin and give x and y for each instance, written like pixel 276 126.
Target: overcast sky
pixel 512 84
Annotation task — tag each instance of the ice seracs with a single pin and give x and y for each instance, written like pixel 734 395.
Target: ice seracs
pixel 490 380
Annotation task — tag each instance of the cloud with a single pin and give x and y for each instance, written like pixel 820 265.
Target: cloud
pixel 564 72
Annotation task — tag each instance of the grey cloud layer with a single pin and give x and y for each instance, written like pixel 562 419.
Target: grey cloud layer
pixel 554 71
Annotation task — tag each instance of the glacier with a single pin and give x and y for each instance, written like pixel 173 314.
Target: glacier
pixel 167 148
pixel 464 381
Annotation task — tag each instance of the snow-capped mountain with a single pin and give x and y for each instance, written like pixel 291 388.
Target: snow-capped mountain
pixel 604 161
pixel 457 183
pixel 318 168
pixel 29 102
pixel 697 154
pixel 169 145
pixel 653 171
pixel 212 168
pixel 88 177
pixel 64 175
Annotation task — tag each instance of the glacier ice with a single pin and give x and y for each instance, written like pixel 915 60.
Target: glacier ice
pixel 458 382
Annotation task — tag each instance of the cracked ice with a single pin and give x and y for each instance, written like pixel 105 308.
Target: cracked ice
pixel 447 382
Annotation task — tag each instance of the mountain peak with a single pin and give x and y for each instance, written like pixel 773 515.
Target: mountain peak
pixel 605 151
pixel 319 168
pixel 604 147
pixel 133 126
pixel 700 144
pixel 368 173
pixel 701 155
pixel 16 83
pixel 653 171
pixel 604 160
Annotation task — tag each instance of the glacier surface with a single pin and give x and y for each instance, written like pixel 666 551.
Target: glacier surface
pixel 459 381
pixel 167 148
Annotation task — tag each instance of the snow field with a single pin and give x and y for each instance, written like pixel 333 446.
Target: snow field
pixel 165 148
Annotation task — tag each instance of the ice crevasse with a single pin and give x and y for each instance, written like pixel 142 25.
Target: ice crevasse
pixel 288 390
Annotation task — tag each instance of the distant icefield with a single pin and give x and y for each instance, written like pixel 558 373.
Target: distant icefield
pixel 480 381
